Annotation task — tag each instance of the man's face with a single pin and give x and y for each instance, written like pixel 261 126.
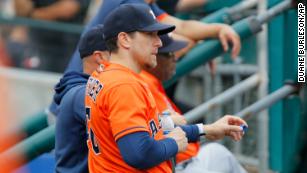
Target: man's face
pixel 145 48
pixel 166 66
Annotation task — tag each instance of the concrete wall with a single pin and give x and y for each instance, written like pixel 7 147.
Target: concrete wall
pixel 26 92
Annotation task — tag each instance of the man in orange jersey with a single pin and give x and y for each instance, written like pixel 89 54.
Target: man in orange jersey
pixel 123 122
pixel 194 159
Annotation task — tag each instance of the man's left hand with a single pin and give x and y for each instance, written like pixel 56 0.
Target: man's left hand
pixel 227 34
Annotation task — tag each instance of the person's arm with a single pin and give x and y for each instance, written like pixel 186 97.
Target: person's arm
pixel 136 147
pixel 64 9
pixel 225 126
pixel 192 132
pixel 198 31
pixel 186 5
pixel 181 52
pixel 23 7
pixel 193 29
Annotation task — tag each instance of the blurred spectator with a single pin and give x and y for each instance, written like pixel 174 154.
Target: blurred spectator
pixel 92 9
pixel 4 57
pixel 53 48
pixel 187 5
pixel 169 6
pixel 14 47
pixel 7 11
pixel 18 48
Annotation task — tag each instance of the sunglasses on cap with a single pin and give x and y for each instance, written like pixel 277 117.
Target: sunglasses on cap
pixel 167 55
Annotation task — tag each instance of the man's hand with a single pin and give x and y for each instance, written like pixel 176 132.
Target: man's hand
pixel 178 120
pixel 227 34
pixel 23 7
pixel 180 137
pixel 225 126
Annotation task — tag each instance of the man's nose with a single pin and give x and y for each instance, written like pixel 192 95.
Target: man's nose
pixel 158 41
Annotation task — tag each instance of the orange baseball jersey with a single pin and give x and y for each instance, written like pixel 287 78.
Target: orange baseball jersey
pixel 164 103
pixel 118 103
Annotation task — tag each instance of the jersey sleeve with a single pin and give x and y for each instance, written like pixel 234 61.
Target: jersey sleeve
pixel 159 13
pixel 127 110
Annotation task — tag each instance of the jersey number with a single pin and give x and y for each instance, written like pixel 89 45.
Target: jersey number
pixel 90 133
pixel 153 128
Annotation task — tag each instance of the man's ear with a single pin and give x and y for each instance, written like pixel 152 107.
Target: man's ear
pixel 124 40
pixel 99 57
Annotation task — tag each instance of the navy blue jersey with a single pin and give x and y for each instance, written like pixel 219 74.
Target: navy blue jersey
pixel 70 134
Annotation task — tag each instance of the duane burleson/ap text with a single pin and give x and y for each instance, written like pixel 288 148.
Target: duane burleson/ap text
pixel 301 43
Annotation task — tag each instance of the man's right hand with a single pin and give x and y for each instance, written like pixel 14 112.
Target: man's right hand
pixel 225 126
pixel 180 137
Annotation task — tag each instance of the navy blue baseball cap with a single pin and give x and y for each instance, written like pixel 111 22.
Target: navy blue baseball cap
pixel 170 45
pixel 133 17
pixel 92 41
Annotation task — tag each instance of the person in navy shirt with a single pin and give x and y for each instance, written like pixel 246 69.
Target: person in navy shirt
pixel 70 136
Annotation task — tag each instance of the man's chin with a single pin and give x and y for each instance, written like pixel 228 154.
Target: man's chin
pixel 150 66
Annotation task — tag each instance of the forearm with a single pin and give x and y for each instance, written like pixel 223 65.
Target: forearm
pixel 186 5
pixel 136 147
pixel 60 10
pixel 184 50
pixel 23 7
pixel 198 31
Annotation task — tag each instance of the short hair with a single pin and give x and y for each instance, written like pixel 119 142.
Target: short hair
pixel 111 43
